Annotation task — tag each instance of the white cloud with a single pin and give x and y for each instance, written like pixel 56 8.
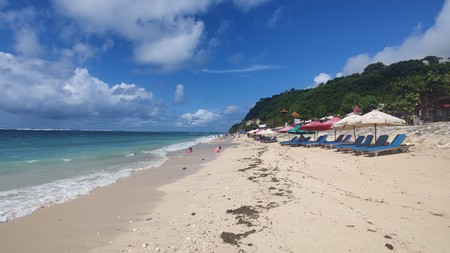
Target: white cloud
pixel 242 70
pixel 179 94
pixel 322 78
pixel 27 43
pixel 25 29
pixel 434 41
pixel 276 16
pixel 200 118
pixel 246 5
pixel 164 33
pixel 231 110
pixel 31 87
pixel 236 58
pixel 3 3
pixel 170 52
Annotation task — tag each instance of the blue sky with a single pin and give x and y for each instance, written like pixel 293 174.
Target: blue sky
pixel 192 65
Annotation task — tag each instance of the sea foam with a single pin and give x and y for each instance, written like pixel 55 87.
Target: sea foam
pixel 20 202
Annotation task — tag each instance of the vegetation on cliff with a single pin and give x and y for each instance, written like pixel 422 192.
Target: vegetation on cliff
pixel 399 87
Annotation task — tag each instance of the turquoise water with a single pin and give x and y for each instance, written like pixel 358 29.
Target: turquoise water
pixel 42 167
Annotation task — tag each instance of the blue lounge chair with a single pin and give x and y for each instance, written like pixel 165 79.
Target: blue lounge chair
pixel 300 141
pixel 331 144
pixel 358 143
pixel 319 140
pixel 288 142
pixel 394 146
pixel 269 139
pixel 380 142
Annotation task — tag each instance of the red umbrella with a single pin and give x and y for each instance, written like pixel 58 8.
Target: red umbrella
pixel 317 126
pixel 329 123
pixel 312 126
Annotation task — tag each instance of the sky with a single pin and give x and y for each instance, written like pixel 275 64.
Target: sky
pixel 192 65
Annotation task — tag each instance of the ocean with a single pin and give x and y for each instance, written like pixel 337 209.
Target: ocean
pixel 39 168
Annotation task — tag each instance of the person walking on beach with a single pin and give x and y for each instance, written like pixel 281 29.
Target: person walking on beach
pixel 218 150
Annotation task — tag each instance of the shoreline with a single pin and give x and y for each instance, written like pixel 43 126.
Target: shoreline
pixel 93 220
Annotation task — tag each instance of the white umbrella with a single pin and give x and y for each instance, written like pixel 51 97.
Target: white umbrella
pixel 376 118
pixel 349 122
pixel 266 132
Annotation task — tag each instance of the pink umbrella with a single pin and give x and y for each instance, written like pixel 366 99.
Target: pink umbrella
pixel 285 129
pixel 329 123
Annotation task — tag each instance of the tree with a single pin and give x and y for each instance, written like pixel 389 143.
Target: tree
pixel 348 101
pixel 374 67
pixel 368 103
pixel 423 89
pixel 321 111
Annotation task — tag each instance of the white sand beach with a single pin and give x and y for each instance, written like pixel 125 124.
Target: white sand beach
pixel 261 197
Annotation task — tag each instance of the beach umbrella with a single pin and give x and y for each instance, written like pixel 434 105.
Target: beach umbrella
pixel 377 118
pixel 297 130
pixel 328 124
pixel 313 126
pixel 317 126
pixel 285 129
pixel 293 130
pixel 266 132
pixel 349 122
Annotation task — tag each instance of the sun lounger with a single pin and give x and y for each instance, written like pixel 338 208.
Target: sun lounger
pixel 300 141
pixel 358 143
pixel 394 146
pixel 269 139
pixel 288 142
pixel 331 144
pixel 380 142
pixel 319 140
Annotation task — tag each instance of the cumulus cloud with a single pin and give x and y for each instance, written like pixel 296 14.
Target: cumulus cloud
pixel 25 29
pixel 33 87
pixel 246 5
pixel 322 78
pixel 167 35
pixel 199 118
pixel 164 33
pixel 179 94
pixel 434 41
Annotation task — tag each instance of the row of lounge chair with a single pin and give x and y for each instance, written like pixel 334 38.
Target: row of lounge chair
pixel 362 144
pixel 266 139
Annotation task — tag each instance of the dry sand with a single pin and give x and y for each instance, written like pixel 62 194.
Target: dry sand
pixel 257 197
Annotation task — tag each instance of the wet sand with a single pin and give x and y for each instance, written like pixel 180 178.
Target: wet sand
pixel 93 220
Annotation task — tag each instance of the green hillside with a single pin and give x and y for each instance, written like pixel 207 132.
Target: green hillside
pixel 399 87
